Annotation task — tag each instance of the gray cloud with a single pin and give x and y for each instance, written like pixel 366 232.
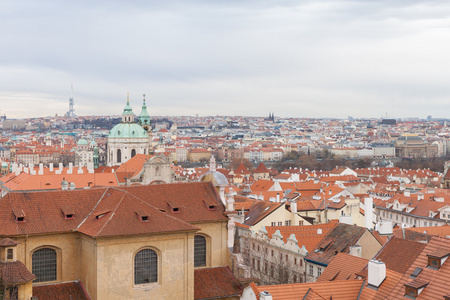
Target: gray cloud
pixel 296 58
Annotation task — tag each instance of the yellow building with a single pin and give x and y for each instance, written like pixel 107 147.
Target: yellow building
pixel 140 242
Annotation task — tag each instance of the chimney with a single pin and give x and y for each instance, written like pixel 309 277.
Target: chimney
pixel 70 169
pixel 90 167
pixel 368 213
pixel 406 193
pixel 13 167
pixel 80 169
pixel 294 207
pixel 41 169
pixel 377 272
pixel 50 166
pixel 265 296
pixel 64 185
pixel 278 197
pixel 319 231
pixel 355 250
pixel 60 167
pixel 71 186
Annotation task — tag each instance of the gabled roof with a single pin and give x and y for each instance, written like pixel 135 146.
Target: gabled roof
pixel 261 168
pixel 241 169
pixel 259 211
pixel 339 239
pixel 218 282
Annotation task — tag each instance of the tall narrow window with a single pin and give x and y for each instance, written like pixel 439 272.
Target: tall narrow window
pixel 199 251
pixel 119 156
pixel 43 263
pixel 145 266
pixel 133 153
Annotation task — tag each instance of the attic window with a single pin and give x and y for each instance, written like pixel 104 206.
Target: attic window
pixel 101 214
pixel 68 212
pixel 143 216
pixel 437 258
pixel 414 288
pixel 173 206
pixel 19 214
pixel 211 207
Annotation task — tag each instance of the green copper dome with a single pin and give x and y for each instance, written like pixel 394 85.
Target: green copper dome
pixel 82 142
pixel 127 130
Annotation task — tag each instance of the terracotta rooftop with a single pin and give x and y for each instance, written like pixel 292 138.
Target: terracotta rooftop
pixel 8 243
pixel 111 211
pixel 343 267
pixel 218 282
pixel 306 235
pixel 61 291
pixel 337 240
pixel 14 273
pixel 337 290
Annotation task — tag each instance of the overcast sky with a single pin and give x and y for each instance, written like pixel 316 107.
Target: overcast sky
pixel 294 58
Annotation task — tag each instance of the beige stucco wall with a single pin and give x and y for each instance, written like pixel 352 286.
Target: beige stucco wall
pixel 216 236
pixel 369 245
pixel 115 267
pixel 67 248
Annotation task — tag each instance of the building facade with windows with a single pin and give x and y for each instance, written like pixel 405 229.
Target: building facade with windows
pixel 134 243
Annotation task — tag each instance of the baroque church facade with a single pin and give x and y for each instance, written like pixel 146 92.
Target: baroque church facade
pixel 129 138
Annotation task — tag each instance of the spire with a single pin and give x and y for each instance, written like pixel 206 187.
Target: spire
pixel 128 115
pixel 144 117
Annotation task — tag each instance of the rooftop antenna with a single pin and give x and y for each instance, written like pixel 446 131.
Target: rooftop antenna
pixel 71 112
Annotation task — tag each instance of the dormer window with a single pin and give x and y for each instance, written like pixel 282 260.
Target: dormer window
pixel 173 206
pixel 143 216
pixel 68 212
pixel 437 258
pixel 414 288
pixel 19 214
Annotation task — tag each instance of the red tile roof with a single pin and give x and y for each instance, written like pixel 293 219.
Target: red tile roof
pixel 338 290
pixel 43 210
pixel 218 282
pixel 13 273
pixel 342 267
pixel 61 291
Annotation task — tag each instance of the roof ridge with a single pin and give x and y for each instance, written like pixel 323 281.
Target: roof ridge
pixel 89 214
pixel 112 214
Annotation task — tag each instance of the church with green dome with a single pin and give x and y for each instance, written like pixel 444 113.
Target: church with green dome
pixel 129 138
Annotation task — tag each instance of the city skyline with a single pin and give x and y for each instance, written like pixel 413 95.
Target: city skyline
pixel 297 59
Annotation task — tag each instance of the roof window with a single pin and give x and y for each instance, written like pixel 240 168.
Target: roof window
pixel 101 214
pixel 68 212
pixel 19 214
pixel 143 216
pixel 174 206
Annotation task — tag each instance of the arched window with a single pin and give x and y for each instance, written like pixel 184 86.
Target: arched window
pixel 119 156
pixel 43 263
pixel 199 251
pixel 133 153
pixel 145 266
